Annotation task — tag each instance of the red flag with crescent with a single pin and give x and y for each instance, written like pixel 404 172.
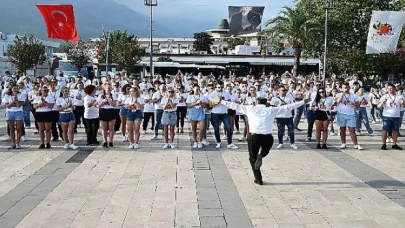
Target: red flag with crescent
pixel 60 21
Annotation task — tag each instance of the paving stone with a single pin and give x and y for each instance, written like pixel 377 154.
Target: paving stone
pixel 212 221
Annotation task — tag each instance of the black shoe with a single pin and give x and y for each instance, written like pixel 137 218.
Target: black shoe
pixel 48 146
pixel 259 182
pixel 396 147
pixel 36 133
pixel 308 139
pixel 318 146
pixel 89 144
pixel 297 129
pixel 75 131
pixel 111 144
pixel 384 147
pixel 42 146
pixel 96 143
pixel 55 139
pixel 258 162
pixel 324 147
pixel 105 145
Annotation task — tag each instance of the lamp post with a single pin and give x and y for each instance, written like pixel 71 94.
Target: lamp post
pixel 327 6
pixel 151 4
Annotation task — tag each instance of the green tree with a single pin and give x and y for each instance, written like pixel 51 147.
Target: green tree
pixel 26 52
pixel 271 41
pixel 123 49
pixel 202 42
pixel 164 59
pixel 78 54
pixel 66 46
pixel 294 26
pixel 235 41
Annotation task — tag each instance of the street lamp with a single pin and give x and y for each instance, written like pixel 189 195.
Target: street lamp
pixel 327 6
pixel 151 4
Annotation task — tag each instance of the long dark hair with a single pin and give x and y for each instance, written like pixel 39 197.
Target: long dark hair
pixel 318 95
pixel 10 88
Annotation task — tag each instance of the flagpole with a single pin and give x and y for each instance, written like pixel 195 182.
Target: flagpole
pixel 106 58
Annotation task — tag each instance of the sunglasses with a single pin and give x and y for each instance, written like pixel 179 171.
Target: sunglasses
pixel 171 91
pixel 220 87
pixel 45 90
pixel 321 91
pixel 283 90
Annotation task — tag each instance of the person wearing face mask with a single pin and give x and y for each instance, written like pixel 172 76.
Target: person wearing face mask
pixel 219 114
pixel 284 119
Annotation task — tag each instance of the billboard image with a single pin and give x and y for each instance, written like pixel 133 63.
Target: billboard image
pixel 245 19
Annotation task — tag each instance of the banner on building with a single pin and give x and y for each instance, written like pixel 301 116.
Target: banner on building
pixel 245 19
pixel 384 31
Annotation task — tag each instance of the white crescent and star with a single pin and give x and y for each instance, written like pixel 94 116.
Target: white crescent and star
pixel 60 23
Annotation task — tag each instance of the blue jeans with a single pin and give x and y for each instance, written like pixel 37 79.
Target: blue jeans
pixel 207 124
pixel 331 128
pixel 224 118
pixel 26 111
pixel 401 117
pixel 298 115
pixel 281 123
pixel 375 112
pixel 361 116
pixel 158 118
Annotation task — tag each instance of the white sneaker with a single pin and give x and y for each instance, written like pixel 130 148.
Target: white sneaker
pixel 131 146
pixel 136 146
pixel 358 147
pixel 28 127
pixel 242 138
pixel 23 138
pixel 374 134
pixel 285 138
pixel 358 133
pixel 232 146
pixel 166 146
pixel 172 146
pixel 66 146
pixel 199 145
pixel 373 122
pixel 73 147
pixel 124 138
pixel 218 145
pixel 343 146
pixel 154 137
pixel 293 146
pixel 280 146
pixel 389 140
pixel 205 142
pixel 195 145
pixel 332 134
pixel 144 132
pixel 17 146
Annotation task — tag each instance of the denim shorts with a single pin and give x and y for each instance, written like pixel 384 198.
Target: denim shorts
pixel 66 117
pixel 18 115
pixel 123 111
pixel 196 114
pixel 344 120
pixel 135 116
pixel 391 123
pixel 169 118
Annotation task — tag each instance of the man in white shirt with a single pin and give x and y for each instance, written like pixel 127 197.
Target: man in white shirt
pixel 156 99
pixel 219 113
pixel 391 104
pixel 346 117
pixel 261 125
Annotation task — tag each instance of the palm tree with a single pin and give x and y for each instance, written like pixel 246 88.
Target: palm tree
pixel 295 27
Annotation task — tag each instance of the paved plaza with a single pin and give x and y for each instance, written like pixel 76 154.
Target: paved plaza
pixel 190 188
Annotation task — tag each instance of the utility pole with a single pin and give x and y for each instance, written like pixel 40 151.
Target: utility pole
pixel 151 4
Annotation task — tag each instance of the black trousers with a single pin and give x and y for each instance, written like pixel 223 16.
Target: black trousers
pixel 181 115
pixel 55 126
pixel 34 113
pixel 256 143
pixel 79 116
pixel 117 124
pixel 237 121
pixel 92 128
pixel 146 117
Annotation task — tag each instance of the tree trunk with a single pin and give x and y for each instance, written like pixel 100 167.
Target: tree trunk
pixel 297 58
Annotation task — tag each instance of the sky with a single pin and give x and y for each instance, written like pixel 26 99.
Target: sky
pixel 201 14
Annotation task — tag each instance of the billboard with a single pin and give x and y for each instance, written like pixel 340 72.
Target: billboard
pixel 245 19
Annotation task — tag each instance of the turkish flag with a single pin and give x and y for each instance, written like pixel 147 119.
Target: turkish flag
pixel 60 21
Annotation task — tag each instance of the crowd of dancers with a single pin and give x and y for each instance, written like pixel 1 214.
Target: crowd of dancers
pixel 125 105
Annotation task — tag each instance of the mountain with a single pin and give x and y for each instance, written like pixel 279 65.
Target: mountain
pixel 23 17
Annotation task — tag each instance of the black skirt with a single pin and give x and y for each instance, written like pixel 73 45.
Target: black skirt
pixel 321 115
pixel 107 114
pixel 43 117
pixel 231 112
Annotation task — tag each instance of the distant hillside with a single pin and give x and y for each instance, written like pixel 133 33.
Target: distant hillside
pixel 22 17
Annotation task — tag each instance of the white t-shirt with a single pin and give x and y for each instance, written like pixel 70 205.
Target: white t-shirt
pixel 220 108
pixel 55 95
pixel 346 106
pixel 131 101
pixel 182 99
pixel 61 101
pixel 166 99
pixel 323 104
pixel 10 98
pixel 363 101
pixel 148 107
pixel 392 106
pixel 90 112
pixel 109 99
pixel 375 98
pixel 281 101
pixel 48 99
pixel 158 95
pixel 78 96
pixel 122 98
pixel 194 98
